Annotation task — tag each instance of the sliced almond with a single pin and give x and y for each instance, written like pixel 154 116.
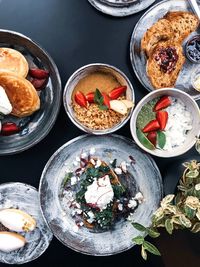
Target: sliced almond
pixel 128 103
pixel 11 241
pixel 118 106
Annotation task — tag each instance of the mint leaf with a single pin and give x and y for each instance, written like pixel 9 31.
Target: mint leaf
pixel 161 139
pixel 139 240
pixel 152 233
pixel 98 98
pixel 151 248
pixel 103 107
pixel 139 227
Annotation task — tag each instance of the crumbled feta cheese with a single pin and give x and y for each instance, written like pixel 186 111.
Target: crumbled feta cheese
pixel 73 180
pixel 100 192
pixel 93 162
pixel 118 170
pixel 92 151
pixel 130 217
pixel 139 197
pixel 132 203
pixel 73 212
pixel 78 211
pixel 98 163
pixel 78 205
pixel 91 217
pixel 120 206
pixel 75 163
pixel 81 223
pixel 78 159
pixel 84 155
pixel 123 166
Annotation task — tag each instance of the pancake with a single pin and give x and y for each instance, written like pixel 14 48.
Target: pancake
pixel 21 93
pixel 13 61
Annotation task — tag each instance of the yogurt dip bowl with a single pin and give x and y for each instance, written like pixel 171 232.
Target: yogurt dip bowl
pixel 78 82
pixel 179 135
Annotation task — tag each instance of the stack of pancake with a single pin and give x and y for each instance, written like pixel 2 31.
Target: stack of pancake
pixel 168 32
pixel 21 93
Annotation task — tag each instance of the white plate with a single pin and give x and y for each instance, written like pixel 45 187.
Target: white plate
pixel 120 8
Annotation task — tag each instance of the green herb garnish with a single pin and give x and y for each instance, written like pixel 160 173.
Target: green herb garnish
pixel 68 176
pixel 161 139
pixel 98 99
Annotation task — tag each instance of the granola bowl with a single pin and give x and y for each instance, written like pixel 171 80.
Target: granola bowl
pixel 96 118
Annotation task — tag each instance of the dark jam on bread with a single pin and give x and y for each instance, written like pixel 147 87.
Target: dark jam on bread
pixel 167 58
pixel 193 49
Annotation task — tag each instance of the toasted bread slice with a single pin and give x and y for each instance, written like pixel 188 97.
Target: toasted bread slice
pixel 161 78
pixel 182 23
pixel 161 30
pixel 13 61
pixel 21 93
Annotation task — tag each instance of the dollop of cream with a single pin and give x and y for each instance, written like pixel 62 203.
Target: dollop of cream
pixel 100 192
pixel 5 105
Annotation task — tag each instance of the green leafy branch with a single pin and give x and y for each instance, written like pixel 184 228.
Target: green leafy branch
pixel 180 211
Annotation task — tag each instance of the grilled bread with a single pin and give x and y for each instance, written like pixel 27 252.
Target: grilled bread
pixel 182 23
pixel 164 64
pixel 21 93
pixel 160 31
pixel 13 61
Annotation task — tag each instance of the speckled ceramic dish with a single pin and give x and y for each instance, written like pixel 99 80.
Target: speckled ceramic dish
pixel 192 107
pixel 138 58
pixel 120 8
pixel 37 126
pixel 85 71
pixel 61 222
pixel 25 197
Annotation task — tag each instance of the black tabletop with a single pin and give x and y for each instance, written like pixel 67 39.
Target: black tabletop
pixel 75 34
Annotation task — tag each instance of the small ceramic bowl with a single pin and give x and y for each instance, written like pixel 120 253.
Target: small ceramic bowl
pixel 194 47
pixel 85 71
pixel 191 106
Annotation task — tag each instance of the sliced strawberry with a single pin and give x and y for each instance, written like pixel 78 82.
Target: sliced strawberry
pixel 80 99
pixel 151 126
pixel 106 100
pixel 9 128
pixel 39 73
pixel 117 92
pixel 164 102
pixel 162 117
pixel 90 97
pixel 152 136
pixel 39 84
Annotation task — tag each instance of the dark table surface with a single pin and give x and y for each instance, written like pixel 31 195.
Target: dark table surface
pixel 75 34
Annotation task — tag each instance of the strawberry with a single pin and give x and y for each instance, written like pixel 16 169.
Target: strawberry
pixel 164 102
pixel 151 126
pixel 117 92
pixel 162 117
pixel 90 97
pixel 39 84
pixel 106 100
pixel 9 128
pixel 152 136
pixel 39 73
pixel 80 99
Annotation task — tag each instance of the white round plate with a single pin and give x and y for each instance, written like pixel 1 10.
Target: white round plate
pixel 120 8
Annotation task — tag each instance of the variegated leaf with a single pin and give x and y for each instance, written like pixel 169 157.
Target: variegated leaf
pixel 166 200
pixel 190 213
pixel 171 209
pixel 196 228
pixel 192 174
pixel 198 214
pixel 169 226
pixel 185 221
pixel 143 253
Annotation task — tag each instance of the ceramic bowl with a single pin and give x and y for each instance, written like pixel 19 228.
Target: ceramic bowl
pixel 58 216
pixel 191 106
pixel 85 71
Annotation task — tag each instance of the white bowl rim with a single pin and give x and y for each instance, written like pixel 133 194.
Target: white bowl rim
pixel 138 107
